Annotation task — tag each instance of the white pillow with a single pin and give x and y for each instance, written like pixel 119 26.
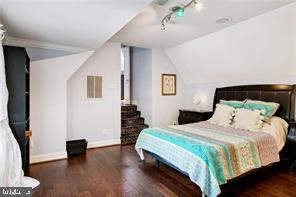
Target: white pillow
pixel 248 119
pixel 223 115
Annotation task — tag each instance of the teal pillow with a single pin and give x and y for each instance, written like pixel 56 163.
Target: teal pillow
pixel 233 103
pixel 267 109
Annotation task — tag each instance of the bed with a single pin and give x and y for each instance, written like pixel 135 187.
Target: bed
pixel 212 155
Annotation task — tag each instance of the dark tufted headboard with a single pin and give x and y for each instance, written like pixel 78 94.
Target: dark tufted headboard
pixel 282 94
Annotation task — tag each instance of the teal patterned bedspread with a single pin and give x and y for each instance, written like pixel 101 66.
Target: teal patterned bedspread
pixel 209 154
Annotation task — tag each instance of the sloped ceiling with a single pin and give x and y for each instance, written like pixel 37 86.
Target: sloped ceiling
pixel 144 30
pixel 84 24
pixel 261 49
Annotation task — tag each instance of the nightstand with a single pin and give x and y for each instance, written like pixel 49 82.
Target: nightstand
pixel 190 116
pixel 291 142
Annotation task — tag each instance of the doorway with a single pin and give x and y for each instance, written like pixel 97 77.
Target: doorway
pixel 125 75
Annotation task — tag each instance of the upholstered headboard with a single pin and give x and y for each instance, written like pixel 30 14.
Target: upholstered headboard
pixel 282 94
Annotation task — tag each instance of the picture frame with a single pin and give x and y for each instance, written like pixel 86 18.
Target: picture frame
pixel 168 84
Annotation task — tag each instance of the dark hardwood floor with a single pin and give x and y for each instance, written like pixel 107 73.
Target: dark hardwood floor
pixel 116 171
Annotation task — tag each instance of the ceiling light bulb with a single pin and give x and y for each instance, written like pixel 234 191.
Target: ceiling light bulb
pixel 198 6
pixel 162 27
pixel 180 12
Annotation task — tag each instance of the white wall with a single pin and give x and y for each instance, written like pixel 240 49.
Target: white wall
pixel 205 92
pixel 48 103
pixel 97 120
pixel 261 50
pixel 141 81
pixel 294 32
pixel 147 67
pixel 59 108
pixel 165 109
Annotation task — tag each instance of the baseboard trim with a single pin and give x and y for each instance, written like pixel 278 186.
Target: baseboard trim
pixel 48 157
pixel 98 144
pixel 63 155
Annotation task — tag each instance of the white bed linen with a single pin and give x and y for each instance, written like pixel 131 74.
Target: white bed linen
pixel 278 128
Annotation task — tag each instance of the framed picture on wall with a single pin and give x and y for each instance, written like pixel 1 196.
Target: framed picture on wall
pixel 169 84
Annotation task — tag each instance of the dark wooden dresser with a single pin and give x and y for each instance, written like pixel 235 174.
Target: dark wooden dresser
pixel 190 116
pixel 17 69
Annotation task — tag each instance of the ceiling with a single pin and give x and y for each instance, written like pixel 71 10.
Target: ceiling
pixel 85 24
pixel 144 29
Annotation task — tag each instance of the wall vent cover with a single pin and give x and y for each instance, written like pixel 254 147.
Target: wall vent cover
pixel 94 86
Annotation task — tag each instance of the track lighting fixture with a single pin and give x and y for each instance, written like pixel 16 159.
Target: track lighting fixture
pixel 179 11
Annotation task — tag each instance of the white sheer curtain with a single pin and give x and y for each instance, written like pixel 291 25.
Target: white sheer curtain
pixel 11 173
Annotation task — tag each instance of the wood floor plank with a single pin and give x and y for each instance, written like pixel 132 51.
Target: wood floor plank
pixel 116 171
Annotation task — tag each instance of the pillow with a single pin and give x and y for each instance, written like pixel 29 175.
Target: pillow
pixel 223 115
pixel 233 103
pixel 248 119
pixel 267 109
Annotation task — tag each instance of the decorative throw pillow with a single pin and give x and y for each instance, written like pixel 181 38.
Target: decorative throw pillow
pixel 248 119
pixel 223 115
pixel 267 109
pixel 233 103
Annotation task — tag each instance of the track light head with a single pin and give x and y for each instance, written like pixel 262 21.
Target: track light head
pixel 179 11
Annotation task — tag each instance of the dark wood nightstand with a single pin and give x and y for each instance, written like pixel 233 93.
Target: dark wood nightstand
pixel 190 116
pixel 291 142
